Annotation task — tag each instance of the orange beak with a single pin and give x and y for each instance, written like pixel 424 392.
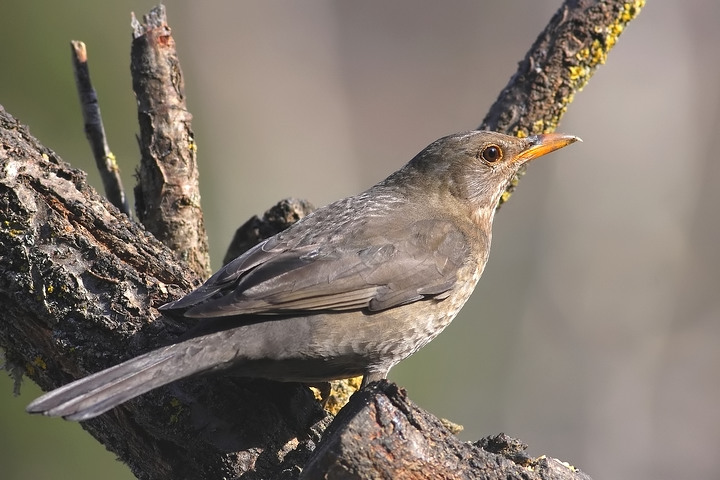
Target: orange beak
pixel 539 145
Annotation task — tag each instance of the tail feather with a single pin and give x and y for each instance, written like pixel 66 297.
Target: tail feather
pixel 238 349
pixel 93 395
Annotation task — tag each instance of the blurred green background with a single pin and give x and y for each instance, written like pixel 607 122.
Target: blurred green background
pixel 594 333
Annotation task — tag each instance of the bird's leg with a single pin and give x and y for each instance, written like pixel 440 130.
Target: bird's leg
pixel 373 376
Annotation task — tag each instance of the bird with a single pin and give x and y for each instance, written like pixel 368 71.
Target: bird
pixel 351 289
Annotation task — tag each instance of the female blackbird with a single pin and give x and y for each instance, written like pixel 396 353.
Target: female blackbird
pixel 351 289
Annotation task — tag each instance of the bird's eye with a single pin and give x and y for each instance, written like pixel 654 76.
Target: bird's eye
pixel 491 153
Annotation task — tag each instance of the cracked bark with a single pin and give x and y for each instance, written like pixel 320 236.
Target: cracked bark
pixel 167 196
pixel 80 283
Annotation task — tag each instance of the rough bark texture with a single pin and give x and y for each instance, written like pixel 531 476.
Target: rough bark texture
pixel 382 434
pixel 167 197
pixel 79 284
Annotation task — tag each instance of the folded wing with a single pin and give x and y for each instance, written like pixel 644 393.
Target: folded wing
pixel 275 278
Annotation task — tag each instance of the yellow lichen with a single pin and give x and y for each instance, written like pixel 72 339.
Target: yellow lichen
pixel 568 466
pixel 40 363
pixel 577 71
pixel 454 428
pixel 112 162
pixel 538 126
pixel 12 228
pixel 177 406
pixel 590 57
pixel 340 393
pixel 596 54
pixel 50 289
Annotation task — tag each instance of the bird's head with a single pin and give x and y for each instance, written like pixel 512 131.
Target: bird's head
pixel 475 167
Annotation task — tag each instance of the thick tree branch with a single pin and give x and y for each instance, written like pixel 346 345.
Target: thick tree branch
pixel 357 445
pixel 167 196
pixel 79 284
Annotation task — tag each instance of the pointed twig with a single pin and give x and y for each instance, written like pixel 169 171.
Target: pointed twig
pixel 94 130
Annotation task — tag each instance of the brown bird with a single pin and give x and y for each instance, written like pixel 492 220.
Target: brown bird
pixel 351 289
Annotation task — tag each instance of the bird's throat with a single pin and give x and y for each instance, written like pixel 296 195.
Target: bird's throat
pixel 483 216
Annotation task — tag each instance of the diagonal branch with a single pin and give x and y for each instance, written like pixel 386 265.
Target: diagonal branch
pixel 558 65
pixel 95 131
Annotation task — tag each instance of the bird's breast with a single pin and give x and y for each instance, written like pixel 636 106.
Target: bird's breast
pixel 428 324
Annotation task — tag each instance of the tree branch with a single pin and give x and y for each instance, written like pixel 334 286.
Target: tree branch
pixel 558 65
pixel 79 284
pixel 357 445
pixel 167 196
pixel 95 131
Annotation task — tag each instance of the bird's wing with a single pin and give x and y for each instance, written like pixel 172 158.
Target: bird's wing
pixel 275 278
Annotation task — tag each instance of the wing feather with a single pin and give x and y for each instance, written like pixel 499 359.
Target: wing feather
pixel 274 278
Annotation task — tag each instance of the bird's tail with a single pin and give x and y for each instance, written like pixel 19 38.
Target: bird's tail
pixel 90 396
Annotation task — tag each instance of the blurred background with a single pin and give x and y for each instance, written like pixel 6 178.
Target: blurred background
pixel 594 335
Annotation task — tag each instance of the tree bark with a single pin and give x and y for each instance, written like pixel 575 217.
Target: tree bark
pixel 382 434
pixel 167 196
pixel 80 283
